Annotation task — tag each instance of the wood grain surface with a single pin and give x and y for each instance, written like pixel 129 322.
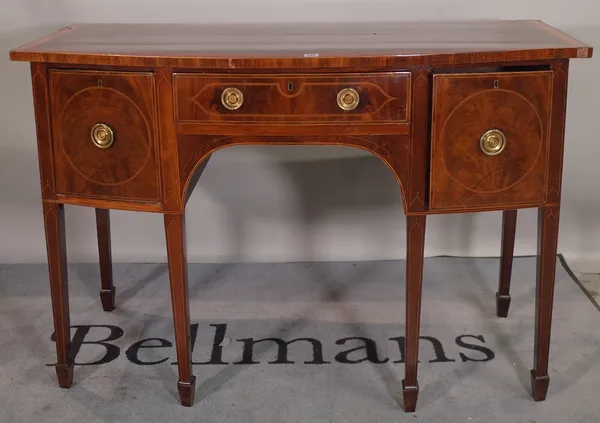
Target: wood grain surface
pixel 123 101
pixel 465 106
pixel 303 46
pixel 299 99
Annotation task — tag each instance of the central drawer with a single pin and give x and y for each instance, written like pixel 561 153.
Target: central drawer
pixel 381 98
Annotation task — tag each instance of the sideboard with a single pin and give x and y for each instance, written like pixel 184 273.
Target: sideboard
pixel 468 116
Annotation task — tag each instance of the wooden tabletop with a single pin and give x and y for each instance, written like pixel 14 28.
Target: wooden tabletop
pixel 303 45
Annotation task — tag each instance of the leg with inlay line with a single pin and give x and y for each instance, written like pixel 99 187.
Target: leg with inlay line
pixel 176 252
pixel 415 244
pixel 548 218
pixel 107 291
pixel 509 227
pixel 54 225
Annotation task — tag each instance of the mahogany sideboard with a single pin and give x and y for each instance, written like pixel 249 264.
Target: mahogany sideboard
pixel 468 116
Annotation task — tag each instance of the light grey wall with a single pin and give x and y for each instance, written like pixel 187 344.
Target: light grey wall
pixel 292 203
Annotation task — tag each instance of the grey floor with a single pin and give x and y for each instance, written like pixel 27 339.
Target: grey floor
pixel 348 369
pixel 591 283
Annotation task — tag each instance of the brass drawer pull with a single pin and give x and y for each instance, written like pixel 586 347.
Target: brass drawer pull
pixel 102 135
pixel 348 99
pixel 232 98
pixel 492 142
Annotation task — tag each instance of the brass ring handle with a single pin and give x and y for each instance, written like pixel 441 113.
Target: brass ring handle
pixel 492 142
pixel 232 98
pixel 102 135
pixel 348 99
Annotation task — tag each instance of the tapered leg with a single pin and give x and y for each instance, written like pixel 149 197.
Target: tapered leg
pixel 107 291
pixel 547 243
pixel 54 223
pixel 415 243
pixel 175 234
pixel 509 227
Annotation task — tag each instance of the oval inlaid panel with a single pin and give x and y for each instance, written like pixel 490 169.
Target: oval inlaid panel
pixel 500 109
pixel 131 150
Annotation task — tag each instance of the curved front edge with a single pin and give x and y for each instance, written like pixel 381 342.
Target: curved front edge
pixel 194 151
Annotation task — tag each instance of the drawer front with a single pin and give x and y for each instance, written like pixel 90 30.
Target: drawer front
pixel 90 108
pixel 489 139
pixel 293 99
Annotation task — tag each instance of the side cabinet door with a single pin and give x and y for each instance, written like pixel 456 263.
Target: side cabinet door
pixel 104 135
pixel 489 139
